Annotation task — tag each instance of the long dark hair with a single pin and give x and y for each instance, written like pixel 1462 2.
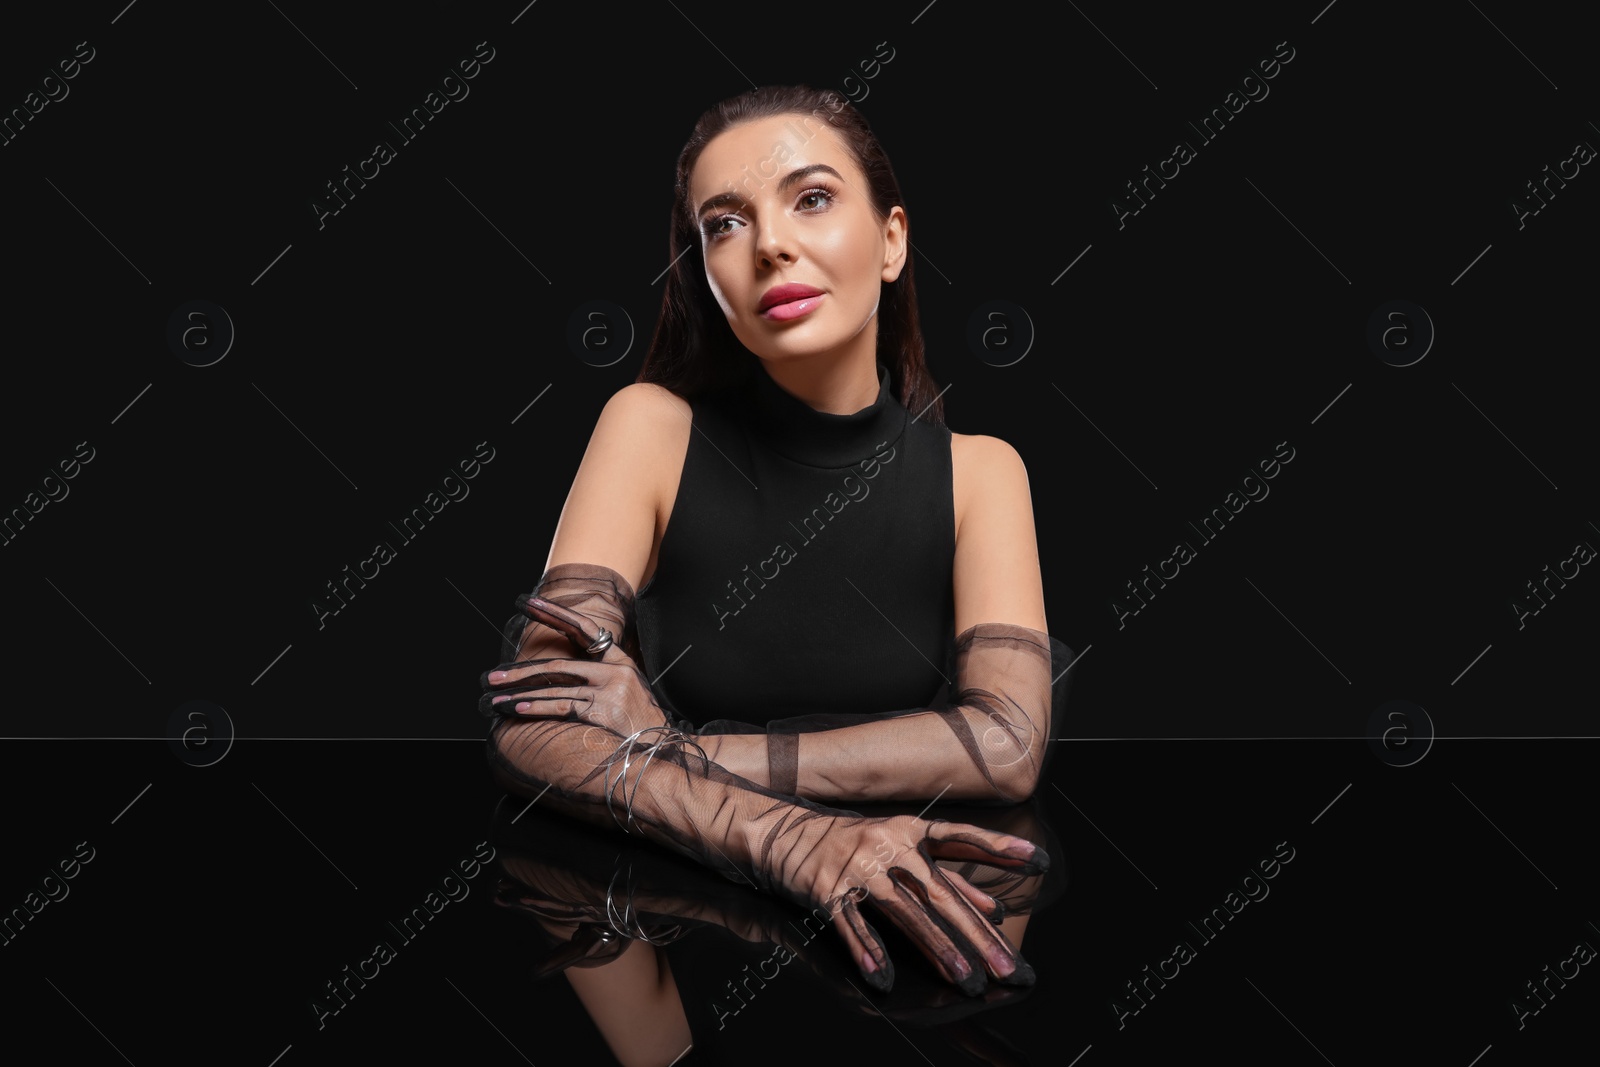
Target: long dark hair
pixel 693 349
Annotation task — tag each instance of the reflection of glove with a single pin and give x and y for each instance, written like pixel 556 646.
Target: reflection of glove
pixel 603 920
pixel 984 1045
pixel 594 898
pixel 648 781
pixel 617 891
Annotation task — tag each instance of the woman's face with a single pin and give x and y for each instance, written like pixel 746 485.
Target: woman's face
pixel 793 251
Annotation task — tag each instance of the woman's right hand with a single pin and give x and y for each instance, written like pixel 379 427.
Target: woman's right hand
pixel 839 863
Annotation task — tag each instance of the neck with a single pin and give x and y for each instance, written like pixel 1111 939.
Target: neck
pixel 837 384
pixel 802 430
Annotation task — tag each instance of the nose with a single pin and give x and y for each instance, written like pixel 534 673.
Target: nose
pixel 775 244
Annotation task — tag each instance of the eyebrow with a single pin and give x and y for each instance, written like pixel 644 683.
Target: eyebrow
pixel 802 173
pixel 794 177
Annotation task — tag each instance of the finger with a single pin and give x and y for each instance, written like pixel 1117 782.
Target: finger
pixel 936 912
pixel 558 702
pixel 929 933
pixel 985 878
pixel 999 955
pixel 992 908
pixel 505 688
pixel 536 673
pixel 578 629
pixel 837 966
pixel 865 945
pixel 952 840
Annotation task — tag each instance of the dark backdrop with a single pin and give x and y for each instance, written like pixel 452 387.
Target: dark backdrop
pixel 1354 271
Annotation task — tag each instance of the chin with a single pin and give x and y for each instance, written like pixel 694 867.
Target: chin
pixel 787 346
pixel 800 340
pixel 792 353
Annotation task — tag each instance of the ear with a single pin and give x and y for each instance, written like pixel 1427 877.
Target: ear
pixel 896 240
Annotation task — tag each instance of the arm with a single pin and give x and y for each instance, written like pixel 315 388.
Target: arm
pixel 656 782
pixel 992 743
pixel 617 762
pixel 613 512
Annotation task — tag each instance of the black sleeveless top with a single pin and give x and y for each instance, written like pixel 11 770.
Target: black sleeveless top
pixel 807 562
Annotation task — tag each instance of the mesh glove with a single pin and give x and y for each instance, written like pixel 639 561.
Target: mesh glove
pixel 990 743
pixel 619 761
pixel 598 593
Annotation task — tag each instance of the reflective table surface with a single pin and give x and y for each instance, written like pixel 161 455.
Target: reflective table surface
pixel 1292 902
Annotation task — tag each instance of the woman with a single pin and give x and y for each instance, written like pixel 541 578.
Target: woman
pixel 785 423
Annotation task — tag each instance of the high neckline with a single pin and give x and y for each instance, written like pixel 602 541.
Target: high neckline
pixel 797 431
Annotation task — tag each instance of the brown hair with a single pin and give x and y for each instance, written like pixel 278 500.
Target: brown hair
pixel 693 348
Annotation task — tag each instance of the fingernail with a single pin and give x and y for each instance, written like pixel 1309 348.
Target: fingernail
pixel 867 962
pixel 973 984
pixel 524 706
pixel 1023 975
pixel 498 676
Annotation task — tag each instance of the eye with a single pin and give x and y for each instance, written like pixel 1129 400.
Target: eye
pixel 719 226
pixel 816 199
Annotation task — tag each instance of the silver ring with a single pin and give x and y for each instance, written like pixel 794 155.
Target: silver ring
pixel 601 643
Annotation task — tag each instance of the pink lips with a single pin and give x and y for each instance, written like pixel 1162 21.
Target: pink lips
pixel 784 302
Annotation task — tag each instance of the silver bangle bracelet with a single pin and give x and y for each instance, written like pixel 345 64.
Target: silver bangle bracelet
pixel 624 754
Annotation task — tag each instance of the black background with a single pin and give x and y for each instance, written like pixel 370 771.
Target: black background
pixel 375 352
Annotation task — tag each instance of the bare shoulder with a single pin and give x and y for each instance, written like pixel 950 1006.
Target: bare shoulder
pixel 986 468
pixel 997 572
pixel 983 454
pixel 642 410
pixel 643 430
pixel 613 511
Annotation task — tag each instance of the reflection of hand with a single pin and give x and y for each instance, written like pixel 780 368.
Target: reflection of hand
pixel 635 906
pixel 983 1044
pixel 594 899
pixel 581 915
